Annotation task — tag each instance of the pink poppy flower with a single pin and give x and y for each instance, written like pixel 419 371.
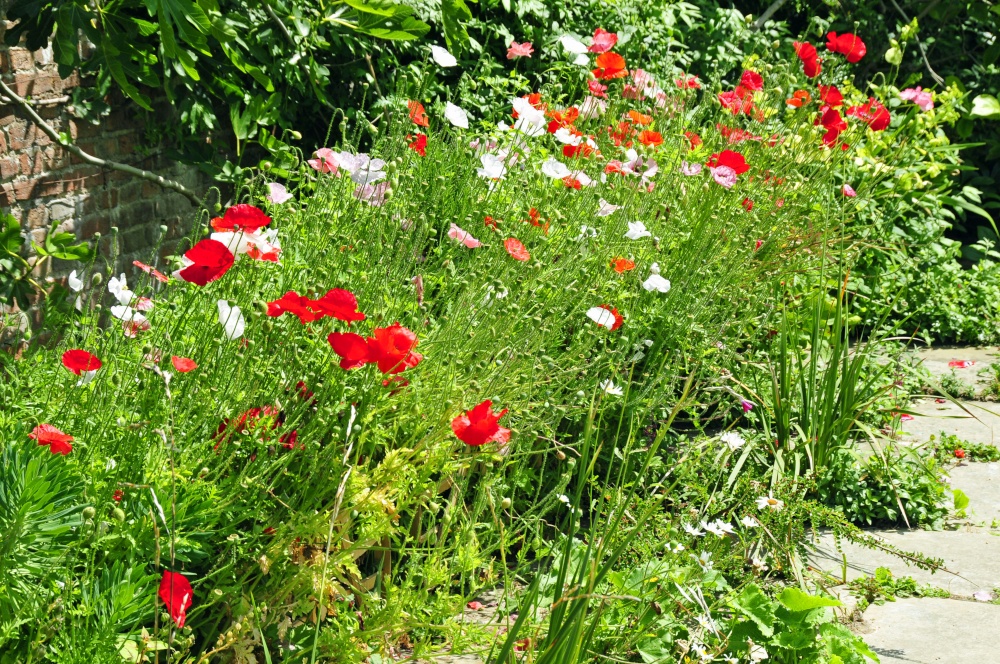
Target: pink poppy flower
pixel 516 50
pixel 325 161
pixel 597 88
pixel 373 194
pixel 723 175
pixel 277 194
pixel 463 236
pixel 603 41
pixel 848 191
pixel 751 80
pixel 918 96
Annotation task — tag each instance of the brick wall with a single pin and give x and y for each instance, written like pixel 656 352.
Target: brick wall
pixel 41 184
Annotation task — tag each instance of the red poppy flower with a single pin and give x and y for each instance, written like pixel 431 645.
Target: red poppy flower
pixel 650 138
pixel 352 349
pixel 751 80
pixel 340 304
pixel 58 442
pixel 735 102
pixel 833 123
pixel 603 41
pixel 959 453
pixel 118 495
pixel 686 82
pixel 564 118
pixel 810 61
pixel 830 95
pixel 693 138
pixel 747 204
pixel 622 265
pixel 183 364
pixel 516 249
pixel 799 97
pixel 490 221
pixel 241 217
pixel 78 361
pixel 639 118
pixel 874 114
pixel 535 219
pixel 295 304
pixel 735 135
pixel 733 160
pixel 480 426
pixel 289 439
pixel 177 595
pixel 597 89
pixel 392 349
pixel 150 270
pixel 210 259
pixel 571 182
pixel 618 320
pixel 846 44
pixel 417 113
pixel 610 66
pixel 418 144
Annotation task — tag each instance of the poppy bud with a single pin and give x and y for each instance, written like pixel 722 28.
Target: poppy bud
pixel 560 455
pixel 505 504
pixel 203 473
pixel 114 230
pixel 354 514
pixel 118 514
pixel 88 513
pixel 266 165
pixel 297 135
pixel 163 228
pixel 97 278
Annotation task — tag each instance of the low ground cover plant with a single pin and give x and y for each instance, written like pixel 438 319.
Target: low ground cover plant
pixel 477 354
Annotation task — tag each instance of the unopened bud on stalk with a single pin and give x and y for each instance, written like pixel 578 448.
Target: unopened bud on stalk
pixel 118 514
pixel 88 513
pixel 297 135
pixel 505 503
pixel 203 473
pixel 96 279
pixel 266 165
pixel 560 455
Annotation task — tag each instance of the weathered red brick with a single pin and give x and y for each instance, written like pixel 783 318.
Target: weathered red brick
pixel 38 216
pixel 25 190
pixel 21 59
pixel 9 167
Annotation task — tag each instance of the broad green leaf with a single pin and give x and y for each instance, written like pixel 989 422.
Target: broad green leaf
pixel 985 106
pixel 794 599
pixel 961 500
pixel 453 13
pixel 756 606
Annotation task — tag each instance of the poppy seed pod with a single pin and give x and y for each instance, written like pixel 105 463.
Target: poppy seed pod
pixel 88 513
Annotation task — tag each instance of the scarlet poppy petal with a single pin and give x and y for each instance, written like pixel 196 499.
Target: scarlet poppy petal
pixel 183 364
pixel 340 304
pixel 516 249
pixel 352 349
pixel 79 361
pixel 210 260
pixel 177 595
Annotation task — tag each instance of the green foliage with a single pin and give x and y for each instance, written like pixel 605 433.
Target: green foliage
pixel 888 487
pixel 945 445
pixel 884 587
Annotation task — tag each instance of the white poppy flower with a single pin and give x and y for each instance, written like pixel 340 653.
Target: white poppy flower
pixel 749 522
pixel 733 440
pixel 456 116
pixel 231 319
pixel 443 57
pixel 604 208
pixel 567 137
pixel 74 282
pixel 277 193
pixel 555 169
pixel 655 282
pixel 637 230
pixel 119 288
pixel 601 316
pixel 573 45
pixel 493 167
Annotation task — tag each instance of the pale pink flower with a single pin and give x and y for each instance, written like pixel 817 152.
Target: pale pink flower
pixel 724 175
pixel 325 161
pixel 690 169
pixel 277 193
pixel 373 194
pixel 603 41
pixel 463 236
pixel 519 50
pixel 848 191
pixel 922 98
pixel 597 89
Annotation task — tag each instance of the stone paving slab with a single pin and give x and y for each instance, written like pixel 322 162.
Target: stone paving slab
pixel 933 631
pixel 979 422
pixel 935 361
pixel 972 555
pixel 981 483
